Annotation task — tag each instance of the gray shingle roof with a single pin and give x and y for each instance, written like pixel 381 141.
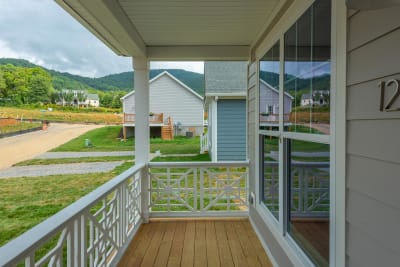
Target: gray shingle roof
pixel 225 77
pixel 92 96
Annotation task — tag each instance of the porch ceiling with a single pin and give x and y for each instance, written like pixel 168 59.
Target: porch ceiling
pixel 145 27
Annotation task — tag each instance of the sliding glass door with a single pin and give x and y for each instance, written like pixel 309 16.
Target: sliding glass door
pixel 294 129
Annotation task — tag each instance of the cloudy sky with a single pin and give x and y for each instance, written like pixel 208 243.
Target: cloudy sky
pixel 42 32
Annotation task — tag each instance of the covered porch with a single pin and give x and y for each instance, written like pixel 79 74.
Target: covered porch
pixel 195 214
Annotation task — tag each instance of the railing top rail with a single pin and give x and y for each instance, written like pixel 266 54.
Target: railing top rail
pixel 302 164
pixel 39 234
pixel 200 164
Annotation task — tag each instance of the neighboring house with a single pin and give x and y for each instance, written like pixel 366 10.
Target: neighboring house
pixel 78 97
pixel 169 98
pixel 92 100
pixel 317 98
pixel 306 100
pixel 225 101
pixel 269 105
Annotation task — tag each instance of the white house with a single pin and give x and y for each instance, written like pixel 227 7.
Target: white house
pixel 308 198
pixel 169 98
pixel 269 105
pixel 317 98
pixel 92 100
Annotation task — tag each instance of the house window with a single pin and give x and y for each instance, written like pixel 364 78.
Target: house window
pixel 295 157
pixel 307 68
pixel 269 89
pixel 269 171
pixel 270 109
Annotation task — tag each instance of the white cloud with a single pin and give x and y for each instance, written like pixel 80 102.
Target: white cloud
pixel 42 32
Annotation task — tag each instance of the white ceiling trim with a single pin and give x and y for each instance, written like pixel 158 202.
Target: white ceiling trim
pixel 219 52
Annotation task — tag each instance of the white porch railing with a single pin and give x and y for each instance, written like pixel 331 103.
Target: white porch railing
pixel 93 231
pixel 203 143
pixel 198 189
pixel 97 229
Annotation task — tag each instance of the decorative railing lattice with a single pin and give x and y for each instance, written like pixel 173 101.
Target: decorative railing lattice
pixel 90 232
pixel 187 189
pixel 309 188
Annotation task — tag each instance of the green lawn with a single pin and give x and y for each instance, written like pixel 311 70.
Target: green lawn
pixel 25 202
pixel 180 145
pixel 106 139
pixel 20 126
pixel 102 139
pixel 271 144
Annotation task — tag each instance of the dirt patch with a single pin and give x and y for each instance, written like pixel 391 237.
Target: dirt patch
pixel 22 147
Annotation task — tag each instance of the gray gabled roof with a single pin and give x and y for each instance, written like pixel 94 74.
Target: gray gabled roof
pixel 92 96
pixel 225 77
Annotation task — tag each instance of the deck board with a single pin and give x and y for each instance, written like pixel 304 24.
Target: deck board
pixel 202 242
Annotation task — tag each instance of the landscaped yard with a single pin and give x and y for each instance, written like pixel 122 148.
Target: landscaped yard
pixel 101 139
pixel 18 126
pixel 26 202
pixel 107 139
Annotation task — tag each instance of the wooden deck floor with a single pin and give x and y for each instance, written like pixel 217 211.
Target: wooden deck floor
pixel 212 242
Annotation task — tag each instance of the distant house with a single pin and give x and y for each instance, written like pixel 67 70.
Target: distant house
pixel 317 98
pixel 269 105
pixel 92 100
pixel 78 98
pixel 169 98
pixel 225 101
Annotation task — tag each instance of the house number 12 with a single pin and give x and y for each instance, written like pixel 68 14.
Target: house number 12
pixel 388 105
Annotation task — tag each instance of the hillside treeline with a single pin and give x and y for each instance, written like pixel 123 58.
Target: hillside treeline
pixel 34 85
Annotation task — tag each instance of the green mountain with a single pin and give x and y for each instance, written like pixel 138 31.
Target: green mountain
pixel 321 82
pixel 114 82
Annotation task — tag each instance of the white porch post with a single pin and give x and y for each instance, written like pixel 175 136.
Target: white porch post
pixel 142 131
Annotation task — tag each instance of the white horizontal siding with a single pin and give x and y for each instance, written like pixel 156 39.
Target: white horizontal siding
pixel 373 151
pixel 364 29
pixel 128 104
pixel 170 98
pixel 375 60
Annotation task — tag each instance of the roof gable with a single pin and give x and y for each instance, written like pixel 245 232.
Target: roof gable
pixel 274 89
pixel 172 77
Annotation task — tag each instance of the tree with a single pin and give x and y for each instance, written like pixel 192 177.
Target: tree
pixel 67 96
pixel 106 99
pixel 81 95
pixel 39 86
pixel 3 85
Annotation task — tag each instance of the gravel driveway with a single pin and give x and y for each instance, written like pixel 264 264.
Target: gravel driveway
pixel 59 169
pixel 26 146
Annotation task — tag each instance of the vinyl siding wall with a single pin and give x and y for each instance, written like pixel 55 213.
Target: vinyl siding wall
pixel 128 104
pixel 170 98
pixel 270 97
pixel 373 144
pixel 231 129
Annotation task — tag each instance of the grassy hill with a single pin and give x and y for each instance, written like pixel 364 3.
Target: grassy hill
pixel 114 82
